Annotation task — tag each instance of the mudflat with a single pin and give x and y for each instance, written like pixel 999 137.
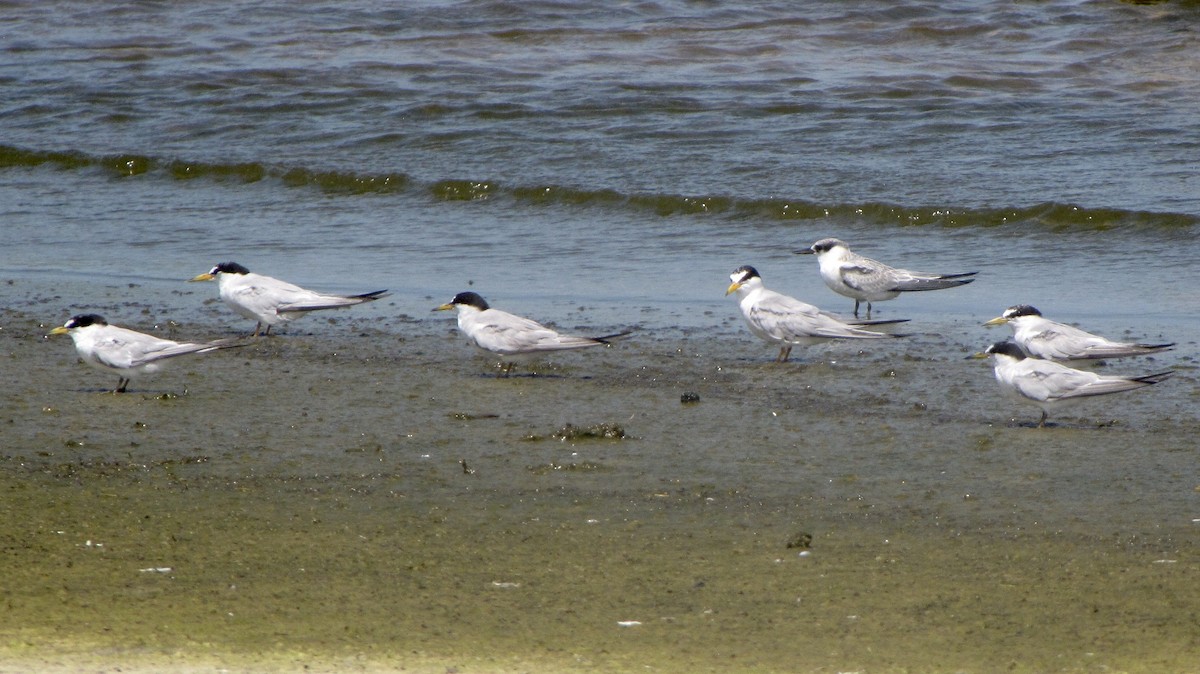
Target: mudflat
pixel 361 496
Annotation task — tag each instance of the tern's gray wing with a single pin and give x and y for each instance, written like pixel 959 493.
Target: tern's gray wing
pixel 178 350
pixel 122 348
pixel 505 333
pixel 1122 350
pixel 904 280
pixel 1046 381
pixel 874 277
pixel 263 297
pixel 118 351
pixel 868 276
pixel 317 301
pixel 1105 385
pixel 1065 342
pixel 789 319
pixel 1058 342
pixel 828 326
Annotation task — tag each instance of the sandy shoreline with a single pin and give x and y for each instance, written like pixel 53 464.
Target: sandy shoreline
pixel 302 505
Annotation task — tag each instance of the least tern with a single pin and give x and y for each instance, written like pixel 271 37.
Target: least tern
pixel 127 353
pixel 269 301
pixel 1049 385
pixel 866 280
pixel 787 321
pixel 508 335
pixel 1043 338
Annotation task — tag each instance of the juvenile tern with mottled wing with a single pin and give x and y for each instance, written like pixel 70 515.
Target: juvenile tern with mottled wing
pixel 127 353
pixel 787 321
pixel 1043 338
pixel 1050 385
pixel 866 280
pixel 509 335
pixel 270 301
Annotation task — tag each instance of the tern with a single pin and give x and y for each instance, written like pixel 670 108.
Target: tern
pixel 1043 338
pixel 270 301
pixel 866 280
pixel 509 335
pixel 787 321
pixel 127 353
pixel 1049 385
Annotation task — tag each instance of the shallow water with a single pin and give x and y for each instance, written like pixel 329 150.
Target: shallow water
pixel 600 170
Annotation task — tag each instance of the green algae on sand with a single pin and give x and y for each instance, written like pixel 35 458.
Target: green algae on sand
pixel 322 506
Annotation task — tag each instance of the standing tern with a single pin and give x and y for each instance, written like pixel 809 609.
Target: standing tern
pixel 270 301
pixel 1049 385
pixel 1043 338
pixel 127 353
pixel 508 335
pixel 866 280
pixel 787 321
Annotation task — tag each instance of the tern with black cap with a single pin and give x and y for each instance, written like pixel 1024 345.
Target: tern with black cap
pixel 269 301
pixel 127 353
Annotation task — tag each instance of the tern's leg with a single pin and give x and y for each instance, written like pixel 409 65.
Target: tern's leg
pixel 122 382
pixel 868 311
pixel 1042 423
pixel 856 308
pixel 784 353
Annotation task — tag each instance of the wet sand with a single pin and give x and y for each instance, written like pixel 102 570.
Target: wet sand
pixel 358 495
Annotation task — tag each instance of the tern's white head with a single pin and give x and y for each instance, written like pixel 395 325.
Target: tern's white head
pixel 743 279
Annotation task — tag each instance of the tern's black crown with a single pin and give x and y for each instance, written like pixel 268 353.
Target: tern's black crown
pixel 745 273
pixel 229 268
pixel 1021 310
pixel 84 320
pixel 470 299
pixel 1006 348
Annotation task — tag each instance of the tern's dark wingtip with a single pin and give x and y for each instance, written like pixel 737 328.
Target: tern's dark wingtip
pixel 608 339
pixel 1156 377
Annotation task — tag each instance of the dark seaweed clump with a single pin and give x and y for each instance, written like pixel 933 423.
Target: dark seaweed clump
pixel 598 431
